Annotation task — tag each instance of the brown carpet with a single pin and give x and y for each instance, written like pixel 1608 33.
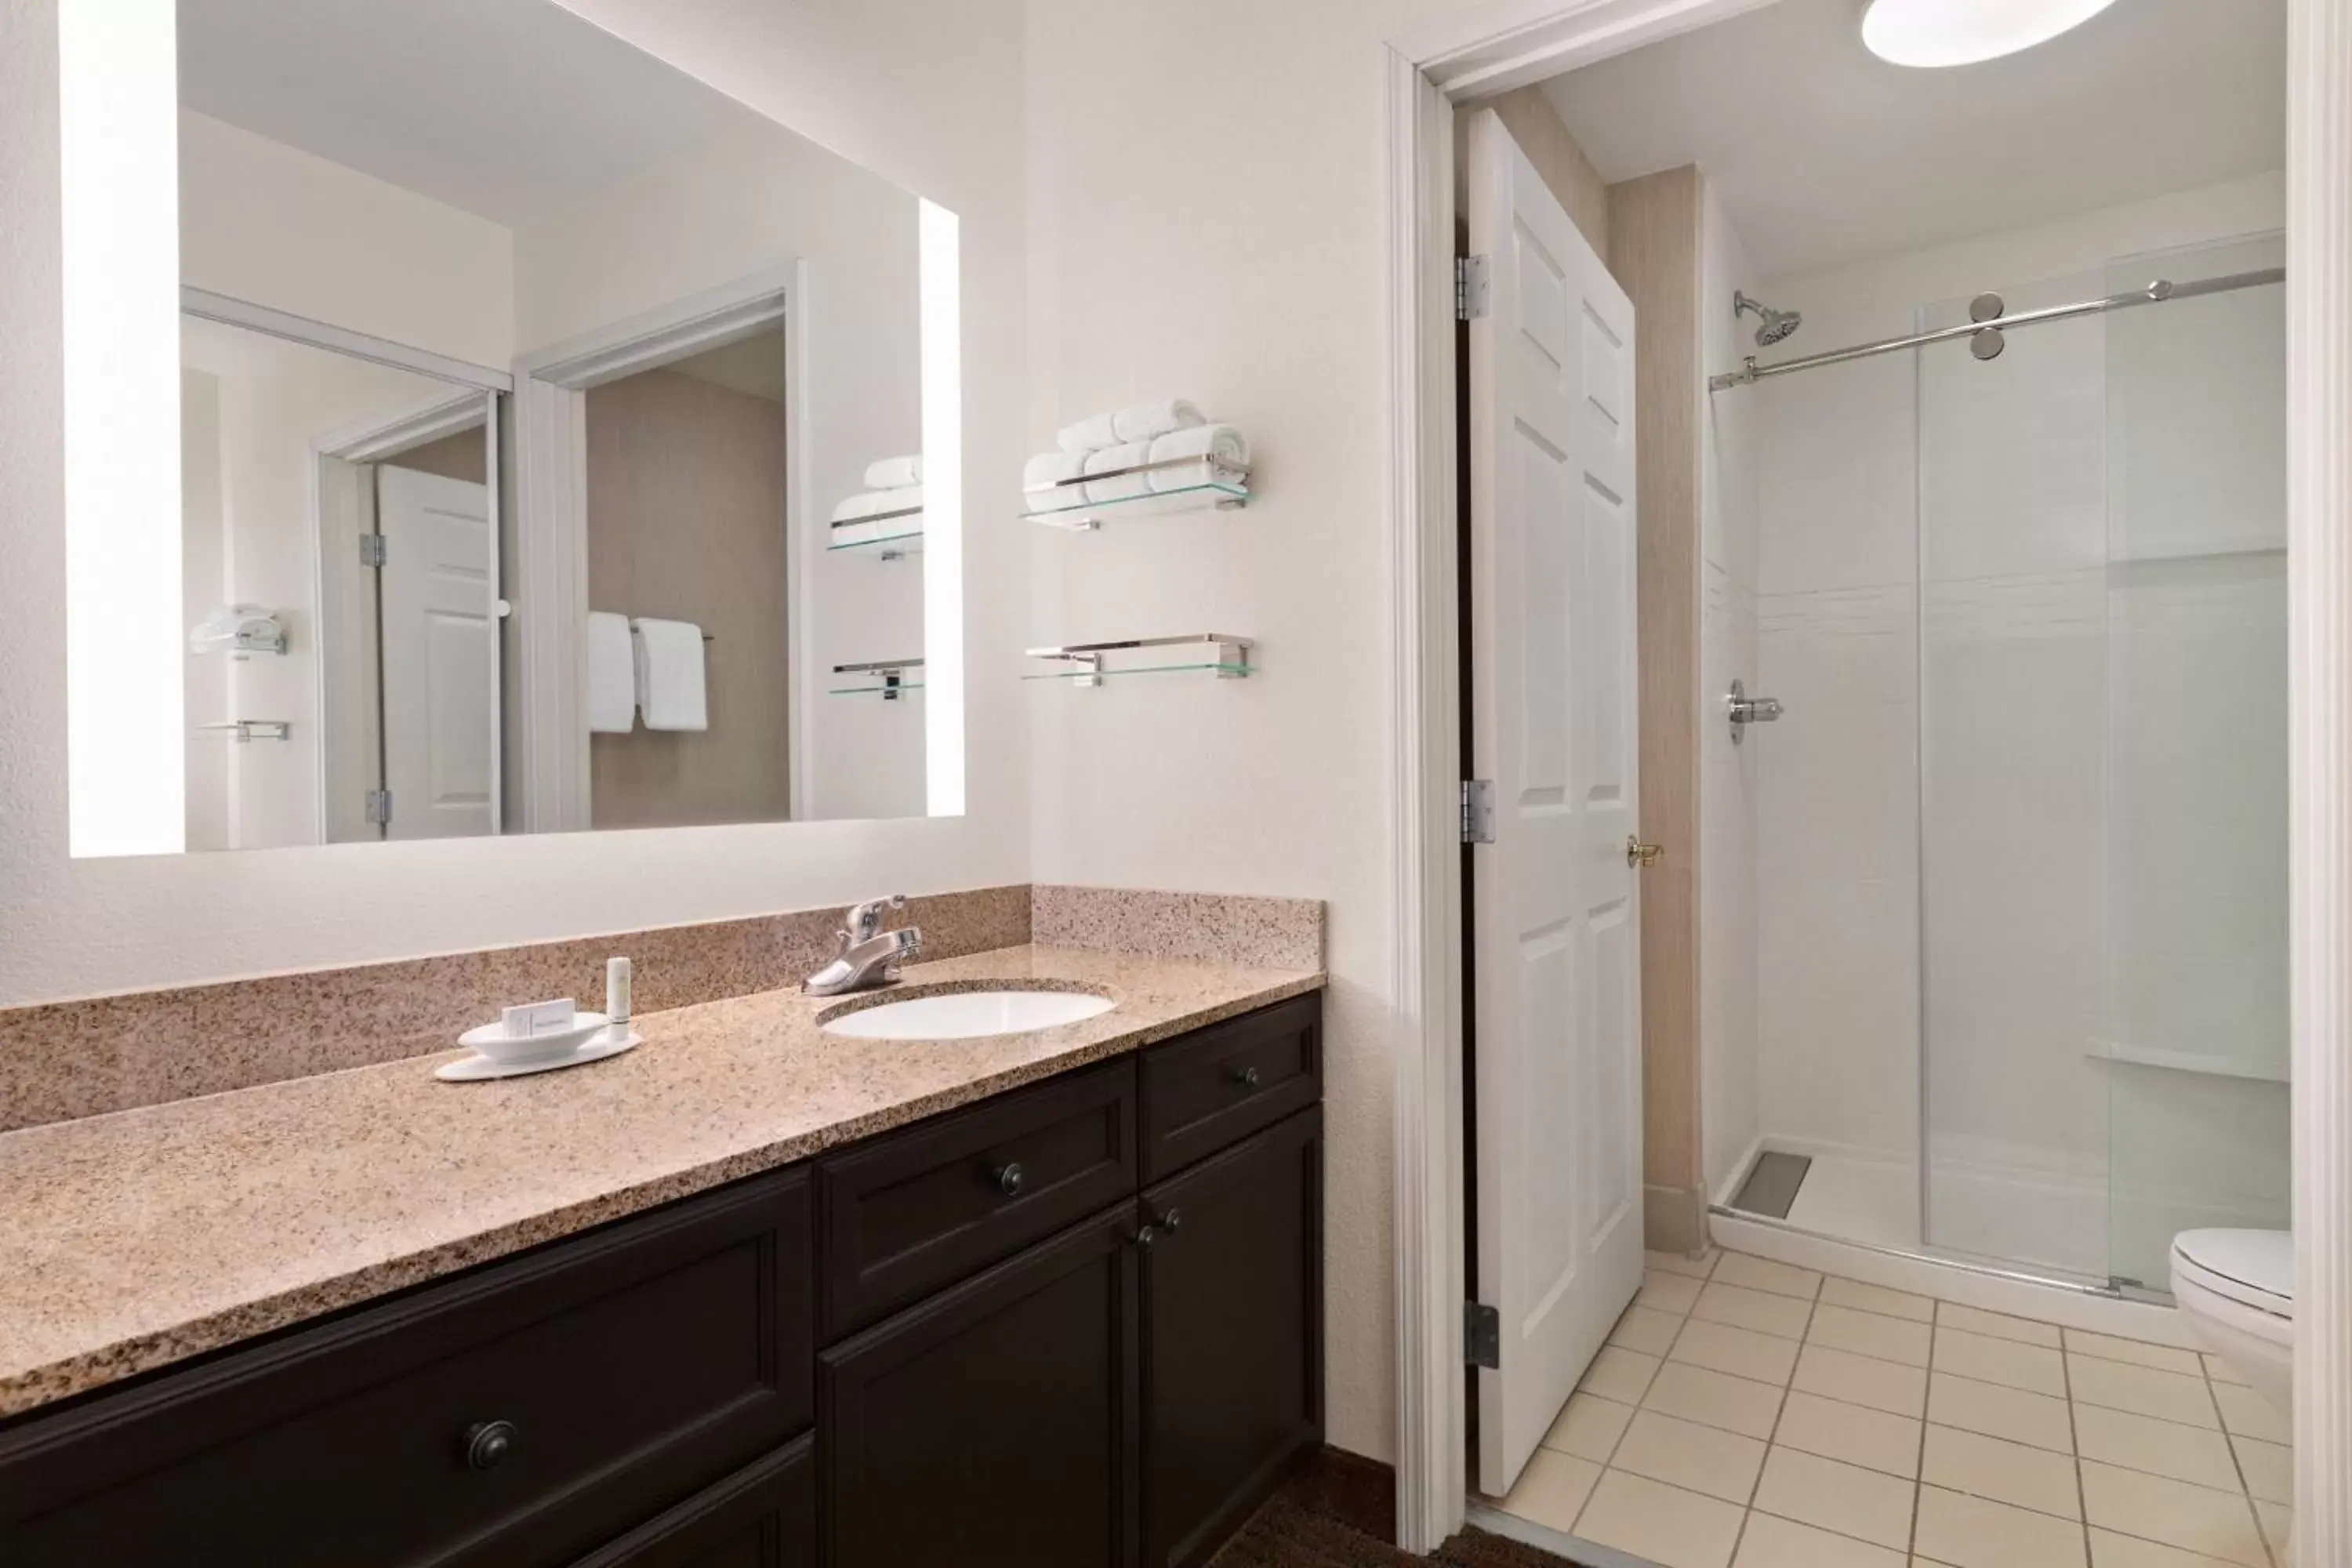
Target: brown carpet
pixel 1335 1512
pixel 1283 1534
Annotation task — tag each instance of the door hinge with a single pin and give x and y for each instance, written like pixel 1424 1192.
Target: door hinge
pixel 1477 811
pixel 1482 1335
pixel 1470 291
pixel 379 806
pixel 371 549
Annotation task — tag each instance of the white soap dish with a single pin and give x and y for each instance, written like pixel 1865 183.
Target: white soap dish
pixel 498 1053
pixel 475 1069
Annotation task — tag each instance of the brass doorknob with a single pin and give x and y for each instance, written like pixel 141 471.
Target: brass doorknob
pixel 1641 856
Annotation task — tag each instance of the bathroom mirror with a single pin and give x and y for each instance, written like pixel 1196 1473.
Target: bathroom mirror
pixel 555 434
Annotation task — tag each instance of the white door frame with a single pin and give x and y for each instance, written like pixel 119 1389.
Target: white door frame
pixel 551 520
pixel 1505 43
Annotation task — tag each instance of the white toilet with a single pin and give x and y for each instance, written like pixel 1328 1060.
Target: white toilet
pixel 2237 1288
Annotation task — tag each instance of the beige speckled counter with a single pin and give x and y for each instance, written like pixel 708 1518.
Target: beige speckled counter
pixel 136 1239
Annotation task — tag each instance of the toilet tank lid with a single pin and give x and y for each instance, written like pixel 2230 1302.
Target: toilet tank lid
pixel 2262 1261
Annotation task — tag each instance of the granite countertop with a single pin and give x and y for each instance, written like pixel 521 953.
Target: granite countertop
pixel 135 1239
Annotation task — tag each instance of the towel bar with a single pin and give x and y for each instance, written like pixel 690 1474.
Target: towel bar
pixel 1223 487
pixel 243 730
pixel 891 679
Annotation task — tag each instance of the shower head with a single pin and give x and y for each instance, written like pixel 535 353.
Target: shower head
pixel 1774 325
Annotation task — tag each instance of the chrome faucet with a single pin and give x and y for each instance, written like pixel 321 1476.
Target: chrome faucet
pixel 869 955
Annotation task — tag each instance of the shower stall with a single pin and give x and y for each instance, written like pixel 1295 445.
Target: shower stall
pixel 2004 885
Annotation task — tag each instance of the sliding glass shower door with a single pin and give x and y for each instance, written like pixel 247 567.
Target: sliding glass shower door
pixel 2102 733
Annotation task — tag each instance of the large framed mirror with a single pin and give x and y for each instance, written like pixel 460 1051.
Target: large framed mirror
pixel 561 444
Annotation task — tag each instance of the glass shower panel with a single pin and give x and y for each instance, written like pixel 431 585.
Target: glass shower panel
pixel 2196 1045
pixel 2015 648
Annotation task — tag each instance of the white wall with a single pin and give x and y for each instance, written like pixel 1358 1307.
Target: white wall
pixel 1989 483
pixel 275 225
pixel 1729 497
pixel 1205 221
pixel 927 95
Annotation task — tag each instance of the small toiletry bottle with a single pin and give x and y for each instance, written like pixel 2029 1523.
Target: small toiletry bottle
pixel 616 999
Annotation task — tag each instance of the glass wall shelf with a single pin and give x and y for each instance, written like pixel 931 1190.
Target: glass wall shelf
pixel 889 681
pixel 1207 486
pixel 1222 655
pixel 243 730
pixel 890 534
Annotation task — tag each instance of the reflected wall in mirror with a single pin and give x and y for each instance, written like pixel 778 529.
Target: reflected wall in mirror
pixel 553 433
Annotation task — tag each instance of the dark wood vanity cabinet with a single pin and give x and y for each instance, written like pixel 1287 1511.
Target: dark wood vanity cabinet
pixel 1077 1325
pixel 1232 1335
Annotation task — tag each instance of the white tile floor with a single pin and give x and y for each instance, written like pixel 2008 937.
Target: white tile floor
pixel 1749 1415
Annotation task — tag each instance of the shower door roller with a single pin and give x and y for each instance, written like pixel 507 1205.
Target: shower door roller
pixel 1745 710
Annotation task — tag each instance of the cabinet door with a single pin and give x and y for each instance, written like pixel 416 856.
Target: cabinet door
pixel 1232 1335
pixel 993 1425
pixel 763 1516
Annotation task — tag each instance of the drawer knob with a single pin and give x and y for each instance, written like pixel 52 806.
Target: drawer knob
pixel 1143 1238
pixel 1246 1077
pixel 1007 1178
pixel 488 1443
pixel 1170 1220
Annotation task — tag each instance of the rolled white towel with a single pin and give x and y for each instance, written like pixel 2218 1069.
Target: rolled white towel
pixel 847 533
pixel 1050 469
pixel 1217 447
pixel 1147 420
pixel 894 473
pixel 1089 435
pixel 1133 455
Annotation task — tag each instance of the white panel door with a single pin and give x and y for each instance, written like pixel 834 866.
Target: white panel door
pixel 1557 960
pixel 437 669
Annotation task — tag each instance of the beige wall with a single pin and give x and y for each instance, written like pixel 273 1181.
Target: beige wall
pixel 686 521
pixel 1654 229
pixel 462 456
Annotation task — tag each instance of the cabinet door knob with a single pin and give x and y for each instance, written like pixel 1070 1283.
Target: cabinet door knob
pixel 1143 1238
pixel 1246 1077
pixel 488 1443
pixel 1170 1220
pixel 1007 1178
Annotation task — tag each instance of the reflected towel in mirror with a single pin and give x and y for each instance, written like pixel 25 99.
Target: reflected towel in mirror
pixel 671 691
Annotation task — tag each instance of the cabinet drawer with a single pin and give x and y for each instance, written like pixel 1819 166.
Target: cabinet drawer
pixel 629 1366
pixel 763 1516
pixel 921 1208
pixel 1219 1085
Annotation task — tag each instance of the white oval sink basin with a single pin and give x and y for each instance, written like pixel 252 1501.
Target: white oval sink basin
pixel 968 1015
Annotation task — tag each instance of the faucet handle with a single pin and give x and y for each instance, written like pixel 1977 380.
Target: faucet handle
pixel 866 919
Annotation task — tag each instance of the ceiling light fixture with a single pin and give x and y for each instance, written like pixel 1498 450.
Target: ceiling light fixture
pixel 1932 32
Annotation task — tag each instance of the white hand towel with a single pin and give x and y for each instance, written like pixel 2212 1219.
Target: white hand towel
pixel 1146 420
pixel 1135 454
pixel 1049 469
pixel 1089 435
pixel 894 473
pixel 612 674
pixel 1218 447
pixel 670 687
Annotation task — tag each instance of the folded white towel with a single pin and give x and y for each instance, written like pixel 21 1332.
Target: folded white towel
pixel 847 533
pixel 1088 435
pixel 894 473
pixel 1051 467
pixel 1147 420
pixel 671 691
pixel 1217 447
pixel 869 503
pixel 612 674
pixel 1133 455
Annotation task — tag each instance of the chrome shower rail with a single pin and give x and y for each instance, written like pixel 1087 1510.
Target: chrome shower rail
pixel 2156 293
